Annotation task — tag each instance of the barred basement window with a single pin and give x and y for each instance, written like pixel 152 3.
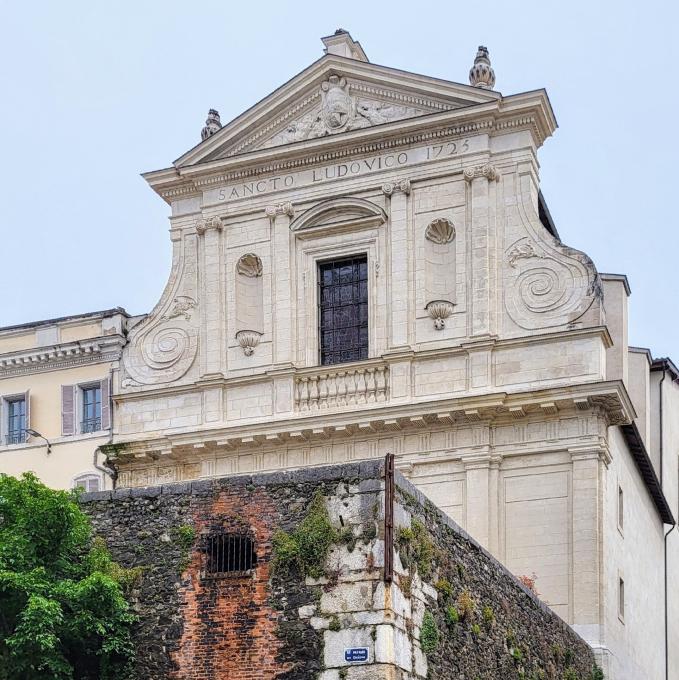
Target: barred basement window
pixel 229 554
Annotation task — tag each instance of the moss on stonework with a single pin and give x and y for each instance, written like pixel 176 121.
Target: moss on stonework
pixel 429 634
pixel 415 546
pixel 306 548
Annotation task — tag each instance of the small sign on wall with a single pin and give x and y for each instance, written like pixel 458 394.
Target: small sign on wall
pixel 356 655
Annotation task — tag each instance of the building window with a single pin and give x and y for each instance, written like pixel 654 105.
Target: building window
pixel 621 600
pixel 621 509
pixel 229 554
pixel 87 483
pixel 16 420
pixel 91 409
pixel 343 310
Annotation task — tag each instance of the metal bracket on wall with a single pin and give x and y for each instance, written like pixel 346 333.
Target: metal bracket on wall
pixel 389 518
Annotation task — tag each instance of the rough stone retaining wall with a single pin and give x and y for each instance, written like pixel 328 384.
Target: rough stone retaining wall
pixel 275 622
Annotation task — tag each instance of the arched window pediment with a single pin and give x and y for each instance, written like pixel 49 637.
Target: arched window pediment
pixel 340 212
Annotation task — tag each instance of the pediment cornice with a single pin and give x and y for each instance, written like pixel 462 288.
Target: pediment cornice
pixel 305 90
pixel 530 111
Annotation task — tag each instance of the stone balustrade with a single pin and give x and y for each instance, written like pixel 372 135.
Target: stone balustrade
pixel 331 388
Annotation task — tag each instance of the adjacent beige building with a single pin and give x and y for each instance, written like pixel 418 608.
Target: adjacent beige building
pixel 55 397
pixel 363 263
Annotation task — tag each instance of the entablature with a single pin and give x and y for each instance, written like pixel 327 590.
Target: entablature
pixel 62 355
pixel 607 401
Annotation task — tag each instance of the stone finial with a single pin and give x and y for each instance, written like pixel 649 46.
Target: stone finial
pixel 343 45
pixel 481 73
pixel 212 124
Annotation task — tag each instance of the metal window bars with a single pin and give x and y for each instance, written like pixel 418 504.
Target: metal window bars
pixel 229 555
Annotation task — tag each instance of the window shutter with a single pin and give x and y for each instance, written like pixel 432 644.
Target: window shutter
pixel 105 404
pixel 27 401
pixel 67 409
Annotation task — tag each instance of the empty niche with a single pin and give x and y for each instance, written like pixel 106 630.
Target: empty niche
pixel 249 302
pixel 439 253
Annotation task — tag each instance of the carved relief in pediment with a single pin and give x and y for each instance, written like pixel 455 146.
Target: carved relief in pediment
pixel 340 106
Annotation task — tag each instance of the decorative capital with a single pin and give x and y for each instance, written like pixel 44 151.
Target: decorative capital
pixel 488 171
pixel 281 209
pixel 481 73
pixel 402 185
pixel 212 124
pixel 211 223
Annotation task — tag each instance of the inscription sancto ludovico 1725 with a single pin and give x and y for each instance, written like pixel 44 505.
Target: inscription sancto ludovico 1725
pixel 371 164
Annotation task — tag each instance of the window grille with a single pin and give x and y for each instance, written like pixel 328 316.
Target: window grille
pixel 343 310
pixel 229 554
pixel 91 413
pixel 16 421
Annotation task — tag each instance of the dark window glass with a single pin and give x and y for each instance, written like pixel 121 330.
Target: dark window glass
pixel 91 421
pixel 343 310
pixel 16 421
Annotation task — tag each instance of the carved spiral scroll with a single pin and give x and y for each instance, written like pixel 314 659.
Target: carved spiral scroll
pixel 542 291
pixel 163 354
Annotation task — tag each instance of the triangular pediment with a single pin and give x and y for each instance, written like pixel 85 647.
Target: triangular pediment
pixel 334 96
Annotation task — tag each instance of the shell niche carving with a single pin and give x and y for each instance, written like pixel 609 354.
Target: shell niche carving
pixel 249 265
pixel 440 231
pixel 543 289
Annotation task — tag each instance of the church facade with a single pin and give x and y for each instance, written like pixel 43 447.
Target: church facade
pixel 363 263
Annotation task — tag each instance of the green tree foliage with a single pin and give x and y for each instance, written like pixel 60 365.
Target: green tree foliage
pixel 63 608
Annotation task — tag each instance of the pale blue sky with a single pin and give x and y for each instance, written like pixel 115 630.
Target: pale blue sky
pixel 94 93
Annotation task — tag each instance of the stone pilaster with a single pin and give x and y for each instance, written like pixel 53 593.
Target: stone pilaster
pixel 478 488
pixel 213 322
pixel 587 548
pixel 397 194
pixel 482 225
pixel 281 261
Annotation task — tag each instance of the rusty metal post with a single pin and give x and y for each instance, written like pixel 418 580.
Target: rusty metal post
pixel 389 518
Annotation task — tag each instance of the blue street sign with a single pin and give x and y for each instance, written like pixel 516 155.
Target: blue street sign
pixel 356 654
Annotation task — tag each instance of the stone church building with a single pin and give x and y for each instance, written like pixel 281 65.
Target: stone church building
pixel 363 263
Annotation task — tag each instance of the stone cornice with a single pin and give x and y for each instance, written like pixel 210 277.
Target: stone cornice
pixel 306 83
pixel 529 111
pixel 61 356
pixel 608 399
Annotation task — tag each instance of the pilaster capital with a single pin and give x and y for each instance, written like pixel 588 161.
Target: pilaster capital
pixel 403 185
pixel 480 461
pixel 272 211
pixel 597 451
pixel 204 225
pixel 488 171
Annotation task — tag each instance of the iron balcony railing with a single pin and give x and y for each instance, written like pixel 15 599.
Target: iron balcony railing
pixel 16 437
pixel 90 425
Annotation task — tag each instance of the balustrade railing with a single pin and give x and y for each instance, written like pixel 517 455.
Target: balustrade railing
pixel 341 387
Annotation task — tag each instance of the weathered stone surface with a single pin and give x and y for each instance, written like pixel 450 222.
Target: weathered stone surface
pixel 274 623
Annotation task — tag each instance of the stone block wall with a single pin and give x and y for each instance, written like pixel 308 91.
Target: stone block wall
pixel 450 610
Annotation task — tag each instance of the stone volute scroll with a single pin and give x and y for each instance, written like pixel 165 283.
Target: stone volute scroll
pixel 249 302
pixel 546 284
pixel 440 272
pixel 163 347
